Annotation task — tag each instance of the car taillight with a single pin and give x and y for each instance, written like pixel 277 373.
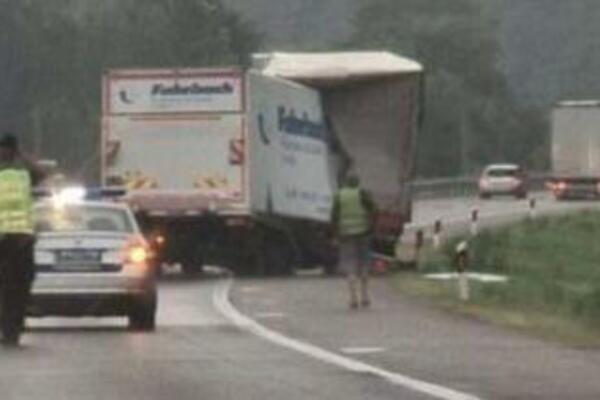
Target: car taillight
pixel 560 186
pixel 138 255
pixel 160 240
pixel 137 252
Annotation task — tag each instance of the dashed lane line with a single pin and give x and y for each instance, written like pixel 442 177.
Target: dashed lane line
pixel 362 350
pixel 222 303
pixel 270 315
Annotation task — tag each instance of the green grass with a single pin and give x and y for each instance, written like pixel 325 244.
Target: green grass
pixel 554 270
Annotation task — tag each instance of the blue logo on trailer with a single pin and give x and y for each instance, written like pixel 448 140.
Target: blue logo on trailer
pixel 262 129
pixel 291 124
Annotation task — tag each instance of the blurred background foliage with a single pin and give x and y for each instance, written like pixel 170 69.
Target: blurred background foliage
pixel 494 68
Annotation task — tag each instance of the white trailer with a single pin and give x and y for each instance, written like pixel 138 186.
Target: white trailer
pixel 292 172
pixel 372 103
pixel 241 168
pixel 576 149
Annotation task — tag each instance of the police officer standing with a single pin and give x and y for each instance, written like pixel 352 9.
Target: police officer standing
pixel 17 177
pixel 352 217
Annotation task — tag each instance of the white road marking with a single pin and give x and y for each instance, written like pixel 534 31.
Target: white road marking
pixel 270 315
pixel 362 350
pixel 484 278
pixel 251 289
pixel 222 303
pixel 59 323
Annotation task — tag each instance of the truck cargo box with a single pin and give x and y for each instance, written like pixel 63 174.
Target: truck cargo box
pixel 291 172
pixel 576 149
pixel 372 103
pixel 175 138
pixel 576 139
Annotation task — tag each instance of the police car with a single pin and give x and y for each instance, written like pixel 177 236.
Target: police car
pixel 92 260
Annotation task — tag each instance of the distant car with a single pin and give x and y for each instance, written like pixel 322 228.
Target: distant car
pixel 91 259
pixel 503 179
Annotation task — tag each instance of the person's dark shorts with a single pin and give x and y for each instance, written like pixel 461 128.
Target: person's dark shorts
pixel 354 255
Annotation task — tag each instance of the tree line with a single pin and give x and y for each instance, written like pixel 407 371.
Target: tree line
pixel 472 117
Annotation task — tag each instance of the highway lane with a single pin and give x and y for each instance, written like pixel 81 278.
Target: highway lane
pixel 195 354
pixel 455 209
pixel 455 213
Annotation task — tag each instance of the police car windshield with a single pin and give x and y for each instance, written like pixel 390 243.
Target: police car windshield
pixel 82 218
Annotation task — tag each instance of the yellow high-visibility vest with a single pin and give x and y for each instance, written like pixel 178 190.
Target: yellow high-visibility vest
pixel 353 217
pixel 16 203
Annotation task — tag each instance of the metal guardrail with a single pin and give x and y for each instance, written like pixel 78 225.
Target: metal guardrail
pixel 464 186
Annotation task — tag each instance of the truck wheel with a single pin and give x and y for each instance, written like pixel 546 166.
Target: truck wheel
pixel 191 269
pixel 330 269
pixel 279 258
pixel 142 316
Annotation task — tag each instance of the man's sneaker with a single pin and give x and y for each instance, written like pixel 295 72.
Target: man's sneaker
pixel 365 303
pixel 354 305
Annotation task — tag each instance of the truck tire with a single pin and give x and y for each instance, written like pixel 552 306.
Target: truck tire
pixel 330 269
pixel 279 258
pixel 192 269
pixel 191 260
pixel 142 316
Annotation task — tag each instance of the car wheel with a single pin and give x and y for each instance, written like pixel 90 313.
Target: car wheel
pixel 521 195
pixel 485 196
pixel 142 317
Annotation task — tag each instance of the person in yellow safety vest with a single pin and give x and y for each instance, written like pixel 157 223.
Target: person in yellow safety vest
pixel 352 217
pixel 17 176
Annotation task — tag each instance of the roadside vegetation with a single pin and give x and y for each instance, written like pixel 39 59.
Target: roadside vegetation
pixel 553 266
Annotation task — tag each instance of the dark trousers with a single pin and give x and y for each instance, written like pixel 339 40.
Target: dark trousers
pixel 16 278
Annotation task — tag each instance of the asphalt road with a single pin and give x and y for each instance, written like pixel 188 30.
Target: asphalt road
pixel 408 337
pixel 398 350
pixel 196 353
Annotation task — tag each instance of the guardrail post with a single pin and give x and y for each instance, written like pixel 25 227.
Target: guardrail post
pixel 532 208
pixel 462 266
pixel 419 243
pixel 474 221
pixel 437 234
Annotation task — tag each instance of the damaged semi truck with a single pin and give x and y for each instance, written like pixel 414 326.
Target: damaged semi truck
pixel 239 168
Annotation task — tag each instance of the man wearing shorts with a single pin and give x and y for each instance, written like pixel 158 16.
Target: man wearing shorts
pixel 352 217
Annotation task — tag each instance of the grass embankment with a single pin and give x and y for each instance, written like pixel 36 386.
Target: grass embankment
pixel 553 265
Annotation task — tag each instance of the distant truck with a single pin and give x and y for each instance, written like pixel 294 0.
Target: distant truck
pixel 240 168
pixel 576 150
